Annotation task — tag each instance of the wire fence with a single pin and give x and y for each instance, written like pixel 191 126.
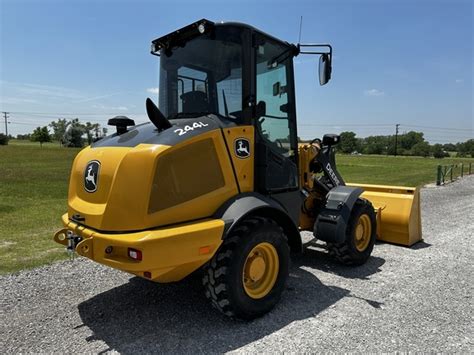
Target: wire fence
pixel 449 173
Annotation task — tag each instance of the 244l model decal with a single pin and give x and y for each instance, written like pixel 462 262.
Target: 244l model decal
pixel 189 128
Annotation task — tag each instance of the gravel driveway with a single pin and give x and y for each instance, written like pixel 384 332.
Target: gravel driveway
pixel 417 299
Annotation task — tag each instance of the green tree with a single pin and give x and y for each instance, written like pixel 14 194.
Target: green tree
pixel 449 147
pixel 421 149
pixel 348 142
pixel 59 129
pixel 438 151
pixel 466 148
pixel 408 140
pixel 97 131
pixel 41 135
pixel 74 133
pixel 90 128
pixel 4 139
pixel 375 145
pixel 23 136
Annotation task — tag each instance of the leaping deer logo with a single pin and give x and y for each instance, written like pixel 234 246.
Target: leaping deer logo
pixel 242 148
pixel 91 175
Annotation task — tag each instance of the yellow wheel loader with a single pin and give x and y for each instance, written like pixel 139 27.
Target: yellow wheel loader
pixel 217 180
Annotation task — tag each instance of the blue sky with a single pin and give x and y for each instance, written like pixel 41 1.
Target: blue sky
pixel 407 62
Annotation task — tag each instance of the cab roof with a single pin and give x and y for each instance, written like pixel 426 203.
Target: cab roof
pixel 195 29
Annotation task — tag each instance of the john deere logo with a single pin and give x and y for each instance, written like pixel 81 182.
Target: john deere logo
pixel 242 148
pixel 91 176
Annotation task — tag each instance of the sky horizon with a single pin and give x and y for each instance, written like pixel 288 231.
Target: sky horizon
pixel 406 62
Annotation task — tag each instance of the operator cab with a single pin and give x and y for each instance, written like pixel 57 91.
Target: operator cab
pixel 237 75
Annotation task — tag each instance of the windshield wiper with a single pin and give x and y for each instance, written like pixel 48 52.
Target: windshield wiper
pixel 225 104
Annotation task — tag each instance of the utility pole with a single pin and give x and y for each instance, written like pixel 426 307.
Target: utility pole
pixel 5 115
pixel 396 137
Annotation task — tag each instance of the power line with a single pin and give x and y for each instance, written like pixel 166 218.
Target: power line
pixel 24 123
pixel 345 124
pixel 75 114
pixel 440 128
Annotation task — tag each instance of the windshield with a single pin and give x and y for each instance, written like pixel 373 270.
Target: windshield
pixel 204 76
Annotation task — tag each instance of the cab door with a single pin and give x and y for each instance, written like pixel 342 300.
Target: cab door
pixel 275 122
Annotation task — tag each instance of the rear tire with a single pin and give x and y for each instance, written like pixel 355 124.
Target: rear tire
pixel 247 275
pixel 360 236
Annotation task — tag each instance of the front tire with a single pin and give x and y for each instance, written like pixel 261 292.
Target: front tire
pixel 247 275
pixel 360 236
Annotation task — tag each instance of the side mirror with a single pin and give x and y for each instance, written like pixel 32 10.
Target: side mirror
pixel 325 68
pixel 331 139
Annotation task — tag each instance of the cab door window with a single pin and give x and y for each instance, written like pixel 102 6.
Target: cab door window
pixel 275 120
pixel 271 89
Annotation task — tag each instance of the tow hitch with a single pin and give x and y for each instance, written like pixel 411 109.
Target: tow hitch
pixel 69 240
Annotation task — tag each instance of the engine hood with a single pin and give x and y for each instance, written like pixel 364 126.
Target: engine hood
pixel 181 129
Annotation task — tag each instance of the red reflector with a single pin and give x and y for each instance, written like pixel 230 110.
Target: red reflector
pixel 134 254
pixel 147 274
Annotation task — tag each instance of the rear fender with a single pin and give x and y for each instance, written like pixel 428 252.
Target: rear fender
pixel 332 222
pixel 254 204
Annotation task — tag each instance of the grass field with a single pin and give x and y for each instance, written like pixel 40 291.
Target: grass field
pixel 33 192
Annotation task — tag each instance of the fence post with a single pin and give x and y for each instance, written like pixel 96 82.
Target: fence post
pixel 462 169
pixel 470 168
pixel 438 177
pixel 452 168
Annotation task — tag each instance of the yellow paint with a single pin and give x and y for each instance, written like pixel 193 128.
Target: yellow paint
pixel 260 270
pixel 169 253
pixel 244 168
pixel 127 178
pixel 363 231
pixel 306 154
pixel 398 212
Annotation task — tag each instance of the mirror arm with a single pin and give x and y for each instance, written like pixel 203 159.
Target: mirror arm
pixel 314 45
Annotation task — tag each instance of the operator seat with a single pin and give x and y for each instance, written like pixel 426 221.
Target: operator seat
pixel 195 101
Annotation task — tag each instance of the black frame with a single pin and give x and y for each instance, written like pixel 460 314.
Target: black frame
pixel 259 180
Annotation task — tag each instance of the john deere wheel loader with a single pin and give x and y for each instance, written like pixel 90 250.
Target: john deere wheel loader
pixel 217 180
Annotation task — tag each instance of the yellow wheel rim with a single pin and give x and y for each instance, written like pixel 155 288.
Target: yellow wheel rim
pixel 260 270
pixel 363 232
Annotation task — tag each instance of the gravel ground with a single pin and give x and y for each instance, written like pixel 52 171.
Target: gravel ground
pixel 403 299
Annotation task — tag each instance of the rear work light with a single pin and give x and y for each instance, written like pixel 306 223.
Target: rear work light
pixel 134 254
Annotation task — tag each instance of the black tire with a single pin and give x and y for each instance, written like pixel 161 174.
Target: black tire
pixel 223 276
pixel 347 252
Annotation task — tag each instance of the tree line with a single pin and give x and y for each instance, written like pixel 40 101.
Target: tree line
pixel 68 133
pixel 410 143
pixel 73 133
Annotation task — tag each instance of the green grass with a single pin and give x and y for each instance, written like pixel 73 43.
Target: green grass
pixel 33 191
pixel 34 181
pixel 389 170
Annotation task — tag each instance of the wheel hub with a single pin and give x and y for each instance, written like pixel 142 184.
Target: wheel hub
pixel 256 268
pixel 363 232
pixel 260 270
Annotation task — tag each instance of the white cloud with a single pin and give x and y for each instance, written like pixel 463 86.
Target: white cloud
pixel 110 108
pixel 374 92
pixel 155 91
pixel 17 100
pixel 458 81
pixel 44 91
pixel 93 98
